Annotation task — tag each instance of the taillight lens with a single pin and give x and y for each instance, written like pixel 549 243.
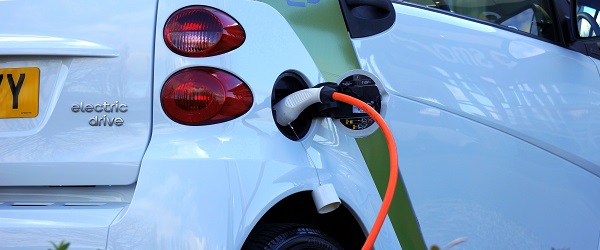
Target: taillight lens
pixel 201 31
pixel 203 95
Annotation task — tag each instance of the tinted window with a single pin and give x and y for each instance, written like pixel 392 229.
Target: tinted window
pixel 532 16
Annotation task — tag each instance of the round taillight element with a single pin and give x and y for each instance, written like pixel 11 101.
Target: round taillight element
pixel 201 31
pixel 203 95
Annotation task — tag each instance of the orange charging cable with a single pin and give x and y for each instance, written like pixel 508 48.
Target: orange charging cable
pixel 389 193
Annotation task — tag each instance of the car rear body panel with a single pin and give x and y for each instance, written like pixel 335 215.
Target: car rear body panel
pixel 95 57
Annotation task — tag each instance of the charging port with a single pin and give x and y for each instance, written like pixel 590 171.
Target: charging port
pixel 363 88
pixel 286 84
pixel 297 105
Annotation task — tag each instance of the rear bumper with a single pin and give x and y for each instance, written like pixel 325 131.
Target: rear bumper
pixel 31 225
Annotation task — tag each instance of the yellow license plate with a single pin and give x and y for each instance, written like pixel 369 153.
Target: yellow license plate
pixel 19 92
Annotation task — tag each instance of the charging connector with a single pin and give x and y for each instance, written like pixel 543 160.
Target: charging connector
pixel 290 107
pixel 295 104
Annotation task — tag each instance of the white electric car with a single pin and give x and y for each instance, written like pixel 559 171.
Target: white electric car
pixel 152 124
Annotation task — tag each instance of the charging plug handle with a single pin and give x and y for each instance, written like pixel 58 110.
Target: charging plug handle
pixel 290 107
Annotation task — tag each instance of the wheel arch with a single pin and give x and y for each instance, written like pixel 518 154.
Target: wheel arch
pixel 341 224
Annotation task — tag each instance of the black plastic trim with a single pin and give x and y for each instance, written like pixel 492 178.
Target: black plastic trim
pixel 287 83
pixel 589 46
pixel 367 17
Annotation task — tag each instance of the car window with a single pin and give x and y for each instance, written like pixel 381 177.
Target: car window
pixel 587 18
pixel 531 16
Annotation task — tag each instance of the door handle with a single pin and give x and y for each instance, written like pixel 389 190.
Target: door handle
pixel 369 9
pixel 367 17
pixel 593 49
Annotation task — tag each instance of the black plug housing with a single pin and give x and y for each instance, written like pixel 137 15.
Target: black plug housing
pixel 357 86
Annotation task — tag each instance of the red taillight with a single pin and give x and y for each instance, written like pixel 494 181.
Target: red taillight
pixel 202 96
pixel 201 31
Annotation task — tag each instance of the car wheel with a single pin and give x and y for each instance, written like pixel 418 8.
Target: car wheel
pixel 288 236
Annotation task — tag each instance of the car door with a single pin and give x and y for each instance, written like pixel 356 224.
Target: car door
pixel 496 119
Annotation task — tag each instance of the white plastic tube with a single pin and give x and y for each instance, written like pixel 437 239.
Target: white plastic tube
pixel 325 198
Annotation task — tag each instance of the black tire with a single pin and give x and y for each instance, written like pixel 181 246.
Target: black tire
pixel 286 236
